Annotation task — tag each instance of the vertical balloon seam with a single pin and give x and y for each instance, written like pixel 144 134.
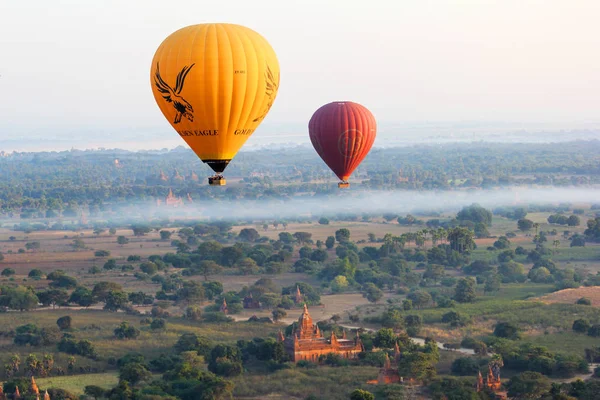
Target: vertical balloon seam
pixel 352 139
pixel 249 107
pixel 216 97
pixel 259 95
pixel 359 147
pixel 240 107
pixel 338 128
pixel 227 107
pixel 315 138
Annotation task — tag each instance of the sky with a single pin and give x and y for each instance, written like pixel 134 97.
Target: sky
pixel 79 70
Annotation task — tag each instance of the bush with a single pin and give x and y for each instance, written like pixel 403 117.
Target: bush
pixel 158 323
pixel 8 272
pixel 126 331
pixel 594 331
pixel 506 330
pixel 584 301
pixel 581 325
pixel 64 322
pixel 465 366
pixel 102 253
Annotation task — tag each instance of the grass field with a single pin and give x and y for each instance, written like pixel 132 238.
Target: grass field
pixel 77 383
pixel 98 326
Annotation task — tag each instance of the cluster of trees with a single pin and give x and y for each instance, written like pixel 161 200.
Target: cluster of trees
pixel 72 181
pixel 559 219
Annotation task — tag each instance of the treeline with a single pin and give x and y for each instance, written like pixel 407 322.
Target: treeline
pixel 57 182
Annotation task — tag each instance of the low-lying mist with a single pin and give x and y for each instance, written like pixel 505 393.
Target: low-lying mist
pixel 367 202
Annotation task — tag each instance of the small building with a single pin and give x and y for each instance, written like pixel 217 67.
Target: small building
pixel 223 308
pixel 308 343
pixel 387 374
pixel 298 298
pixel 250 302
pixel 492 381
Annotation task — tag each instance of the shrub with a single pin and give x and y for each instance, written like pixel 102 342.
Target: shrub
pixel 584 301
pixel 64 322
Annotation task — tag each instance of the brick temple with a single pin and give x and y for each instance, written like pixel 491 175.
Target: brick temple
pixel 308 343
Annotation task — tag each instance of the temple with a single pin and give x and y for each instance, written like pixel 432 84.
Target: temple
pixel 492 381
pixel 388 374
pixel 33 391
pixel 170 200
pixel 298 298
pixel 307 342
pixel 250 302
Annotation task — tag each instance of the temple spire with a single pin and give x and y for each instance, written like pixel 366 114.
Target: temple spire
pixel 34 387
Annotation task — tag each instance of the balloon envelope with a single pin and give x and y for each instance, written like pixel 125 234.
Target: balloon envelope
pixel 215 83
pixel 342 133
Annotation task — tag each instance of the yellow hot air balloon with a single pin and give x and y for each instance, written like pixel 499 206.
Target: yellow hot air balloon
pixel 215 83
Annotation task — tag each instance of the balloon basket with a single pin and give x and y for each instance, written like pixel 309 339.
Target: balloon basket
pixel 217 181
pixel 343 185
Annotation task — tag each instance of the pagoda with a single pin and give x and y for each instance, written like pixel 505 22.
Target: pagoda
pixel 308 343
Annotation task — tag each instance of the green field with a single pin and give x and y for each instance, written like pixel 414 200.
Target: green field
pixel 76 383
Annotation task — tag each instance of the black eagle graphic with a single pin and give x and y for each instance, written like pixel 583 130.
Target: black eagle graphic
pixel 184 109
pixel 271 88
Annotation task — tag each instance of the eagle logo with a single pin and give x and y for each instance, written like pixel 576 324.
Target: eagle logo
pixel 270 89
pixel 183 108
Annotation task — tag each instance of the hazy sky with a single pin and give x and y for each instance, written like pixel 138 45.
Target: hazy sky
pixel 83 65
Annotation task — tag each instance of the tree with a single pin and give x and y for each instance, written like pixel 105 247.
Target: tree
pixel 64 322
pixel 461 239
pixel 385 338
pixel 33 246
pixel 249 235
pixel 319 255
pixel 506 330
pixel 577 241
pixel 581 326
pixel 434 272
pixel 323 221
pixel 208 267
pixel 528 385
pixel 126 331
pixel 247 266
pixel 94 391
pixel 115 301
pixel 372 292
pixel 158 324
pixel 465 366
pixel 165 235
pixel 134 373
pixel 359 394
pixel 18 298
pixel 329 242
pixel 101 253
pixel 302 237
pixel 278 314
pixel 82 296
pixel 8 272
pixel 475 213
pixel 465 291
pixel 525 224
pixel 122 240
pixel 573 220
pixel 419 298
pixel 342 235
pixel 502 243
pixel 339 284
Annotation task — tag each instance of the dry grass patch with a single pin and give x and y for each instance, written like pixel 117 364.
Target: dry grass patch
pixel 570 296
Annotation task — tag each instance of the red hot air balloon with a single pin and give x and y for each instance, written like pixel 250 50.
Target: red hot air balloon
pixel 342 133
